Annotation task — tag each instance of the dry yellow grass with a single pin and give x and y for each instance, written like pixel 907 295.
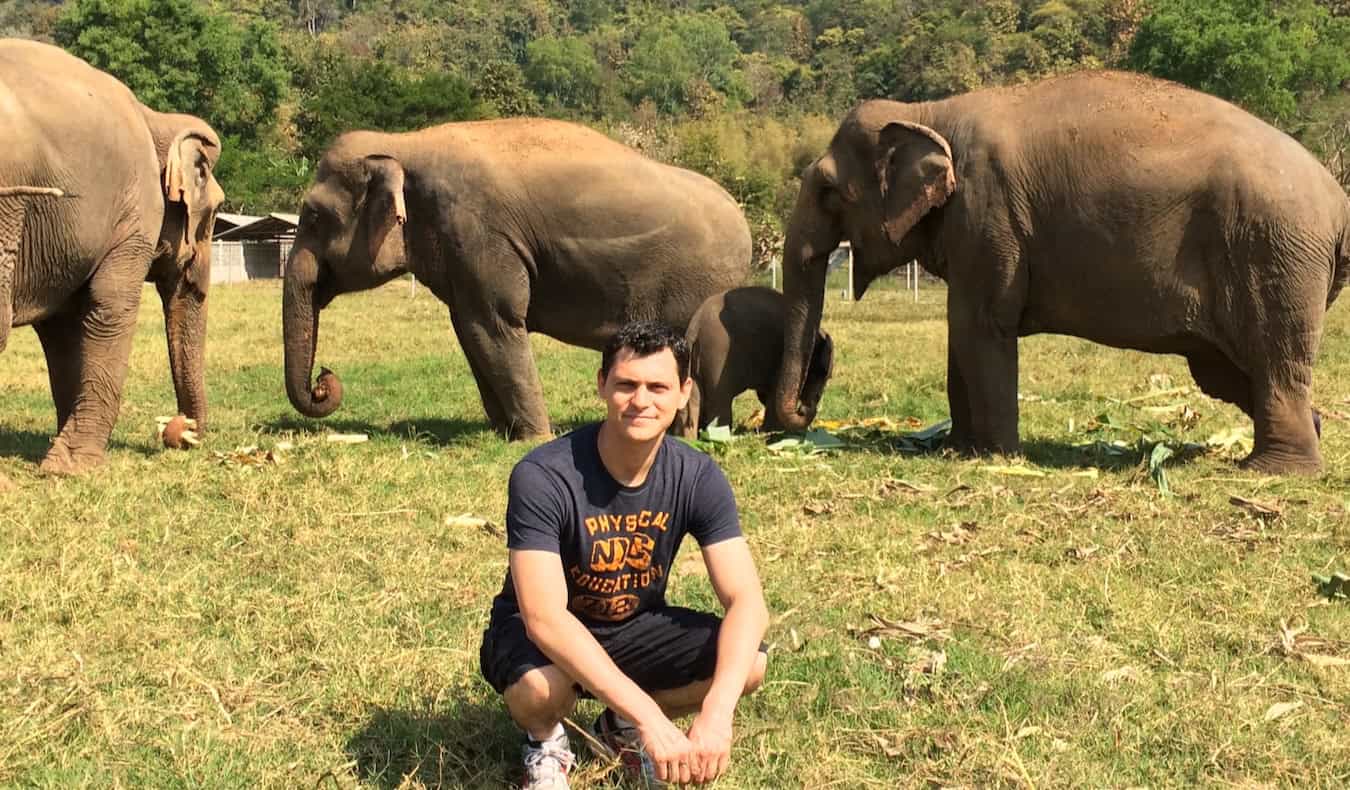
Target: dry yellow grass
pixel 194 619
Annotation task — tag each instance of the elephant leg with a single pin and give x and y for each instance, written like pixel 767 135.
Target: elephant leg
pixel 498 348
pixel 961 438
pixel 686 421
pixel 1218 377
pixel 492 406
pixel 714 372
pixel 104 334
pixel 60 339
pixel 986 361
pixel 715 406
pixel 1285 426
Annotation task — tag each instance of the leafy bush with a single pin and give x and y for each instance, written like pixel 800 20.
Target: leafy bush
pixel 1258 54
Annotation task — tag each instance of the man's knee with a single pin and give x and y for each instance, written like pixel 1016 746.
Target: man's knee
pixel 542 691
pixel 756 677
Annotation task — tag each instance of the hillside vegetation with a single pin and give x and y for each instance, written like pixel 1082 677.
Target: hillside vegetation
pixel 745 91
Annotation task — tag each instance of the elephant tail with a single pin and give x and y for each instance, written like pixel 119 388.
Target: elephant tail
pixel 1341 273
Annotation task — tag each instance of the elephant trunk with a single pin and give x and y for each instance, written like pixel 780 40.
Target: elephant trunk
pixel 804 267
pixel 818 372
pixel 184 303
pixel 300 325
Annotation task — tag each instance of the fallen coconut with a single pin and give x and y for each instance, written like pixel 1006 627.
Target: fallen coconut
pixel 177 432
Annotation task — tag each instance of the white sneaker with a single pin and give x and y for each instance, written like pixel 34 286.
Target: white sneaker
pixel 547 764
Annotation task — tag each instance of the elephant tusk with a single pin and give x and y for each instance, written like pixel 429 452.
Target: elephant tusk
pixel 32 192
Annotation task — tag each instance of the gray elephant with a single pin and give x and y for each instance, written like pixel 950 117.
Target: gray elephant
pixel 736 344
pixel 99 195
pixel 1114 207
pixel 519 226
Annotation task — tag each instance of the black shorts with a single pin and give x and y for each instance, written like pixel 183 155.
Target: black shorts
pixel 657 649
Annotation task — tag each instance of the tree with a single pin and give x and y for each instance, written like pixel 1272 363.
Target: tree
pixel 1260 54
pixel 179 56
pixel 674 56
pixel 261 177
pixel 564 71
pixel 342 92
pixel 938 58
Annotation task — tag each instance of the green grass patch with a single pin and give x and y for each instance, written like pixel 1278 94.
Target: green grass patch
pixel 214 619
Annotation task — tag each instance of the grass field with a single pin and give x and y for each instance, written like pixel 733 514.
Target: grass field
pixel 207 619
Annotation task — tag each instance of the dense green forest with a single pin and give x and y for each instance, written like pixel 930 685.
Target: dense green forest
pixel 747 91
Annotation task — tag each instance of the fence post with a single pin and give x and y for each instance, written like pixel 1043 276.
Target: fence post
pixel 848 296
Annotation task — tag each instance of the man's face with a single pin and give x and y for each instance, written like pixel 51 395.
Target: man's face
pixel 643 394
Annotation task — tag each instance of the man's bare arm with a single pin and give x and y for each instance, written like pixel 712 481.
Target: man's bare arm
pixel 731 569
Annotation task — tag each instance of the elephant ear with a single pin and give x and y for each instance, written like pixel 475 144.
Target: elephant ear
pixel 189 182
pixel 915 173
pixel 385 206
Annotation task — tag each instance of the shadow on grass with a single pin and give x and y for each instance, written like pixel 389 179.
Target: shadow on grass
pixel 1053 454
pixel 1047 453
pixel 469 745
pixel 438 430
pixel 1063 455
pixel 33 445
pixel 432 430
pixel 28 445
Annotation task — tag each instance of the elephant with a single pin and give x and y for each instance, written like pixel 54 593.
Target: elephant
pixel 99 194
pixel 519 225
pixel 736 344
pixel 1119 208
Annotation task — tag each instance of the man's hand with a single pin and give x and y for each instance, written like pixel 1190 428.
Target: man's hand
pixel 710 736
pixel 669 749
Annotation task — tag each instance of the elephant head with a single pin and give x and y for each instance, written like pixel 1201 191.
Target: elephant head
pixel 350 238
pixel 882 175
pixel 187 149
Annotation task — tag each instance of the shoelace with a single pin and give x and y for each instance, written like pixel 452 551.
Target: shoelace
pixel 546 762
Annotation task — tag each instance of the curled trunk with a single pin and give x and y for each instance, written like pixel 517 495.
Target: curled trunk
pixel 300 325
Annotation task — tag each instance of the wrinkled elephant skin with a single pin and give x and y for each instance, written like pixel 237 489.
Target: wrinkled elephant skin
pixel 519 226
pixel 99 194
pixel 736 344
pixel 1114 207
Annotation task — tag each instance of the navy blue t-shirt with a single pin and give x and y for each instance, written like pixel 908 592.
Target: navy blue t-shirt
pixel 616 543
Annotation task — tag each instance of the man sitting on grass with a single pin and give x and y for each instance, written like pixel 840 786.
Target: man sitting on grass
pixel 593 522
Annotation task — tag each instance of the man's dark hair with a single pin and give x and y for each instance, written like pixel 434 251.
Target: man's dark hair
pixel 645 338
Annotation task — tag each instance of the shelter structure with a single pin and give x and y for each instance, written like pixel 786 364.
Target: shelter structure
pixel 247 247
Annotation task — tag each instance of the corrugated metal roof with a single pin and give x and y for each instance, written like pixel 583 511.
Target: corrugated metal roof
pixel 233 220
pixel 273 226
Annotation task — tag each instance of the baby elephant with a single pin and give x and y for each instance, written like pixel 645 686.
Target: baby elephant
pixel 736 344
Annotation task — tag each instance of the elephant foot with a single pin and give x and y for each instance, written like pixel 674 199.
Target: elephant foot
pixel 520 433
pixel 959 443
pixel 60 461
pixel 969 446
pixel 1283 462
